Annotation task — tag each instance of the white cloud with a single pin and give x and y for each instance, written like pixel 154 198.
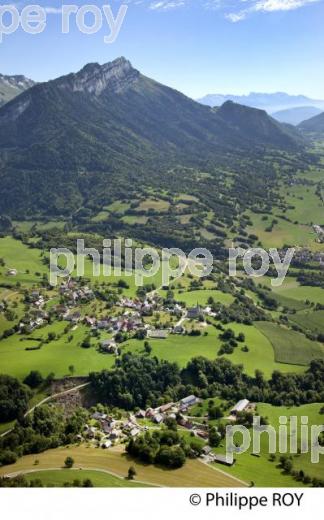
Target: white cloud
pixel 164 5
pixel 266 6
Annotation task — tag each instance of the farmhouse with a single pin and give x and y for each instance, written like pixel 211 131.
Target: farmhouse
pixel 222 459
pixel 157 334
pixel 188 401
pixel 109 345
pixel 240 406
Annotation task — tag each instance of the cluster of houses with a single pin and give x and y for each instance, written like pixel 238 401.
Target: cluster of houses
pixel 73 294
pixel 109 431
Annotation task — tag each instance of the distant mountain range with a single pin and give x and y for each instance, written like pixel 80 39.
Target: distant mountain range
pixel 107 128
pixel 12 86
pixel 294 116
pixel 270 102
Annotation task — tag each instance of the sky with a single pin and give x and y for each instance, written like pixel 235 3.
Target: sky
pixel 196 46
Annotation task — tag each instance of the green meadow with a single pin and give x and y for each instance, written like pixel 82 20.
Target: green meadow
pixel 259 469
pixel 58 477
pixel 290 346
pixel 312 321
pixel 55 356
pixel 181 349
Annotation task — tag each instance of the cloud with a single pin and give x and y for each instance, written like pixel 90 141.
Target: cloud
pixel 165 5
pixel 233 10
pixel 265 6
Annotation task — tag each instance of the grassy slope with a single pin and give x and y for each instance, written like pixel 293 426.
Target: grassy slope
pixel 265 473
pixel 57 478
pixel 193 474
pixel 181 349
pixel 291 346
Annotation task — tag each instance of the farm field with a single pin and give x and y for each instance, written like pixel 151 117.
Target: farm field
pixel 18 256
pixel 181 349
pixel 260 470
pixel 311 320
pixel 290 346
pixel 55 356
pixel 292 289
pixel 283 232
pixel 200 297
pixel 99 479
pixel 193 474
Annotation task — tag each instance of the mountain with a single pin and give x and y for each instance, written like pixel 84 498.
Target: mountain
pixel 101 131
pixel 314 125
pixel 270 102
pixel 12 86
pixel 294 116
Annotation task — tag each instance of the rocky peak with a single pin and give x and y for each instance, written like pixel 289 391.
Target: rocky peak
pixel 94 78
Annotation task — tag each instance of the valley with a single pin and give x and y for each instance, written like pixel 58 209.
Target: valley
pixel 146 378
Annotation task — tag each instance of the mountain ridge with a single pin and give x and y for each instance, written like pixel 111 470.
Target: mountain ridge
pixel 12 86
pixel 93 130
pixel 271 102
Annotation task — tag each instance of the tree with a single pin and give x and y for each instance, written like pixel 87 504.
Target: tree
pixel 131 473
pixel 71 369
pixel 147 347
pixel 69 462
pixel 34 379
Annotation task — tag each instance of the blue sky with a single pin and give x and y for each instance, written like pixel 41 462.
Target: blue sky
pixel 196 46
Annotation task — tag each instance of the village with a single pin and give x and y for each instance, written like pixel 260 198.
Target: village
pixel 126 316
pixel 105 431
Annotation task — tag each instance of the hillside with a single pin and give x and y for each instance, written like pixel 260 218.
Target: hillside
pixel 313 125
pixel 91 132
pixel 295 116
pixel 12 86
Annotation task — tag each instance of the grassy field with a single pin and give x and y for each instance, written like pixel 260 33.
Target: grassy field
pixel 181 349
pixel 55 356
pixel 99 479
pixel 290 346
pixel 260 470
pixel 291 289
pixel 312 321
pixel 193 474
pixel 283 232
pixel 22 258
pixel 200 297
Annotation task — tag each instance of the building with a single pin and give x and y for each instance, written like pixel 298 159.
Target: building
pixel 222 459
pixel 240 406
pixel 188 401
pixel 194 313
pixel 157 334
pixel 109 345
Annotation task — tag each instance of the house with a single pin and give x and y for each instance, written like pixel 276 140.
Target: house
pixel 194 313
pixel 103 324
pixel 157 334
pixel 109 345
pixel 140 414
pixel 222 459
pixel 134 432
pixel 165 407
pixel 188 401
pixel 73 318
pixel 158 418
pixel 202 434
pixel 206 450
pixel 240 406
pixel 178 329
